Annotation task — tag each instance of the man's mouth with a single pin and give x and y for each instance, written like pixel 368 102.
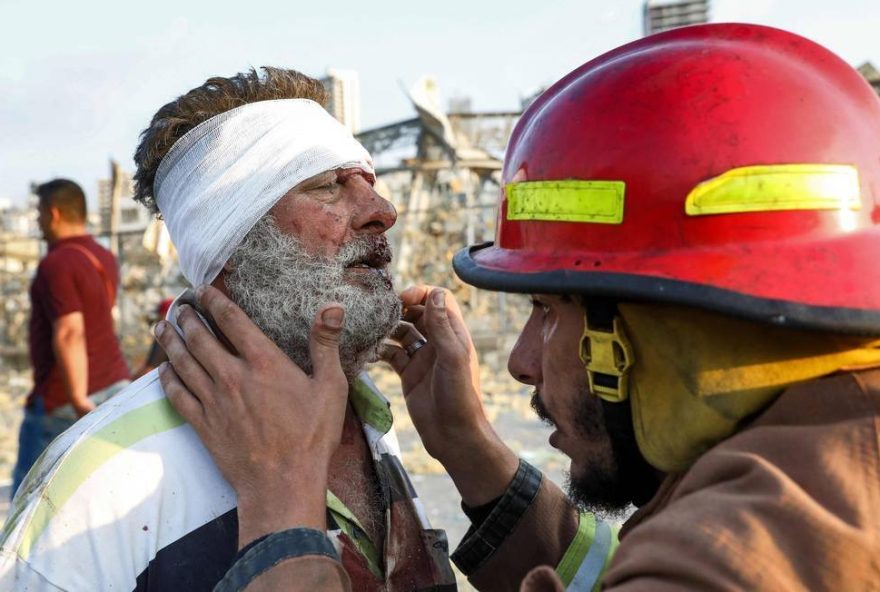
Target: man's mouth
pixel 372 263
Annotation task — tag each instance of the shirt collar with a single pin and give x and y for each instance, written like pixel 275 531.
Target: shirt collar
pixel 370 405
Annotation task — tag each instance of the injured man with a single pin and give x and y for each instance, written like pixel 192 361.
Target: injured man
pixel 271 201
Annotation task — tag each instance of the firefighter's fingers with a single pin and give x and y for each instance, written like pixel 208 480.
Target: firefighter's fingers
pixel 182 399
pixel 440 332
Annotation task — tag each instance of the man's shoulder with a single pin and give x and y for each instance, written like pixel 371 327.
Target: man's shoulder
pixel 63 259
pixel 138 411
pixel 133 452
pixel 104 254
pixel 70 251
pixel 801 478
pixel 130 477
pixel 53 263
pixel 139 423
pixel 831 416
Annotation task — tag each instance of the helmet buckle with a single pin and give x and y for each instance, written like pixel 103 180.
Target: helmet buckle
pixel 607 356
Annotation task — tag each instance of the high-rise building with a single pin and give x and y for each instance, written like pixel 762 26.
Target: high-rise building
pixel 662 15
pixel 345 97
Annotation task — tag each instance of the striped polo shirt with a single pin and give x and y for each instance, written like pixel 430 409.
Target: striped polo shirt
pixel 130 499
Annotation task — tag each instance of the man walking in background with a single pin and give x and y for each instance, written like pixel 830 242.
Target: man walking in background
pixel 76 359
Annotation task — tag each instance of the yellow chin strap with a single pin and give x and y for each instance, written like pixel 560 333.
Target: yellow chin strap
pixel 606 353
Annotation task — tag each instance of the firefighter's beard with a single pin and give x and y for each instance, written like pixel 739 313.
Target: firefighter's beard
pixel 601 487
pixel 595 481
pixel 281 288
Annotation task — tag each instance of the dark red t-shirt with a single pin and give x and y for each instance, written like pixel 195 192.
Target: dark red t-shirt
pixel 68 281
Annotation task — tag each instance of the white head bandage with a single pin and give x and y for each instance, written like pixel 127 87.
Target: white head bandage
pixel 223 175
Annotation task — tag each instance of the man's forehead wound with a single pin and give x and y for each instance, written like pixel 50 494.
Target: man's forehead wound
pixel 343 175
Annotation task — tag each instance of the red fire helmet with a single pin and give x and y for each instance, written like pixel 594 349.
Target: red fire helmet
pixel 732 167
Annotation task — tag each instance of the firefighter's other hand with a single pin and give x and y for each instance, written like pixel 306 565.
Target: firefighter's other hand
pixel 440 375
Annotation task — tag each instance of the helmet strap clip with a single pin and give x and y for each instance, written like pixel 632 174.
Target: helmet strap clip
pixel 605 351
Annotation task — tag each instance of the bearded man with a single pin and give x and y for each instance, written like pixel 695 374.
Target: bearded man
pixel 271 201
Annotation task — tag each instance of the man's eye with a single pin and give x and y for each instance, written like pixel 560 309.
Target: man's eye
pixel 544 308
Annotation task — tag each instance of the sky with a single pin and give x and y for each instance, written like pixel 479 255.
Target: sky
pixel 80 80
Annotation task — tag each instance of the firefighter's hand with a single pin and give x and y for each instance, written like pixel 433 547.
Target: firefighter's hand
pixel 441 384
pixel 269 426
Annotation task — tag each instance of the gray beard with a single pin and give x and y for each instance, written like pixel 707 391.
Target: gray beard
pixel 281 288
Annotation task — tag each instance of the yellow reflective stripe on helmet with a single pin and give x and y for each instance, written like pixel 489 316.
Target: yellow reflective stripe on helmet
pixel 769 188
pixel 600 202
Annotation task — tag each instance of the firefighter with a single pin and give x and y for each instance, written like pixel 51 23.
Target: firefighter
pixel 696 218
pixel 707 202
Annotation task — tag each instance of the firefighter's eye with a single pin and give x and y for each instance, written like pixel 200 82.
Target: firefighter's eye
pixel 537 304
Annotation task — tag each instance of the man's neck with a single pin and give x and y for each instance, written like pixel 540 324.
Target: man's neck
pixel 67 231
pixel 354 481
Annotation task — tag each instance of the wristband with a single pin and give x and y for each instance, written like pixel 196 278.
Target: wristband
pixel 268 551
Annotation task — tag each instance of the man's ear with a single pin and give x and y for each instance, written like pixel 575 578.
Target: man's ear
pixel 54 214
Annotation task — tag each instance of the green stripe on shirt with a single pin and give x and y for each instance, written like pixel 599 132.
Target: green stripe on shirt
pixel 88 455
pixel 351 526
pixel 370 406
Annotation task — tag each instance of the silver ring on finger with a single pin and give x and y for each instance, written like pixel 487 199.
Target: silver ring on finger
pixel 415 346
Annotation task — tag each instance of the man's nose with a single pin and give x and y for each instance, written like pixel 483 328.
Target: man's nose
pixel 374 213
pixel 524 363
